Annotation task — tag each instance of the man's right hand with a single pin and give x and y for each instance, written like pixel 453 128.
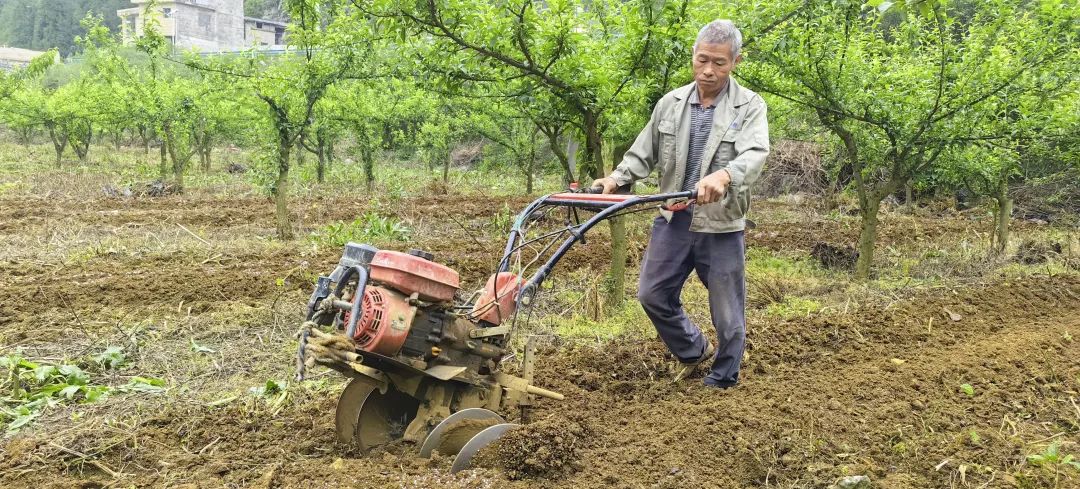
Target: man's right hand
pixel 609 184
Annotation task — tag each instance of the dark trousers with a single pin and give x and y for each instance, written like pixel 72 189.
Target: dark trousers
pixel 719 260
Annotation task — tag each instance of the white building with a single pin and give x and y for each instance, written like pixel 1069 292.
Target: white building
pixel 14 58
pixel 206 25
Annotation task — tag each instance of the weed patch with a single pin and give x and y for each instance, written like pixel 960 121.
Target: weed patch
pixel 371 227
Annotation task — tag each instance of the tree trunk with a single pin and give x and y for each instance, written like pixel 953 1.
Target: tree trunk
pixel 144 136
pixel 205 154
pixel 163 163
pixel 26 134
pixel 59 141
pixel 909 199
pixel 592 166
pixel 80 141
pixel 367 158
pixel 529 174
pixel 299 154
pixel 446 171
pixel 867 237
pixel 617 275
pixel 281 193
pixel 179 161
pixel 320 154
pixel 329 154
pixel 560 154
pixel 1000 239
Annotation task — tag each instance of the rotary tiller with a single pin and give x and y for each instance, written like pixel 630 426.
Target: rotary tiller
pixel 425 360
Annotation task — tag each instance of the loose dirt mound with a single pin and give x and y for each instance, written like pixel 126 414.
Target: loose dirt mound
pixel 547 448
pixel 834 257
pixel 1032 252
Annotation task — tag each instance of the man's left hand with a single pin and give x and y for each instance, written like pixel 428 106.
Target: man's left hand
pixel 713 187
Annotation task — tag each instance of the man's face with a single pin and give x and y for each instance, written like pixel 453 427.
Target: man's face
pixel 712 65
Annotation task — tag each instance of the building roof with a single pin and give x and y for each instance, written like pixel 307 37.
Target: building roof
pixel 18 54
pixel 266 21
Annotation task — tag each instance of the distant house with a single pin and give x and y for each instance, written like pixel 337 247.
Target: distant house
pixel 205 25
pixel 15 58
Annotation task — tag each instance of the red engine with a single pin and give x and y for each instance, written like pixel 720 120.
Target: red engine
pixel 386 314
pixel 412 274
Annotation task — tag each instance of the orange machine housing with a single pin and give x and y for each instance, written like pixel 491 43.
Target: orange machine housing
pixel 496 301
pixel 385 320
pixel 409 274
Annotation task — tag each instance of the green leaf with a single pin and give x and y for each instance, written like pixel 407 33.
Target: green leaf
pixel 270 388
pixel 43 372
pixel 145 384
pixel 74 374
pixel 70 391
pixel 95 393
pixel 21 421
pixel 112 358
pixel 221 402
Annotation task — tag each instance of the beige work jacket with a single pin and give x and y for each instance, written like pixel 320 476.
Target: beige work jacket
pixel 739 142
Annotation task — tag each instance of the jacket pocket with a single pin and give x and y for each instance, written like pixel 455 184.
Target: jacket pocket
pixel 725 152
pixel 732 208
pixel 668 145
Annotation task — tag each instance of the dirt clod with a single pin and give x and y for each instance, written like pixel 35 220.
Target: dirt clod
pixel 543 449
pixel 835 257
pixel 457 435
pixel 1033 252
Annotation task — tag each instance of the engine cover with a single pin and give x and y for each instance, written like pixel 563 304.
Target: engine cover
pixel 497 300
pixel 385 320
pixel 410 274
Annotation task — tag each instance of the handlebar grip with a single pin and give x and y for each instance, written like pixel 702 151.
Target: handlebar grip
pixel 625 189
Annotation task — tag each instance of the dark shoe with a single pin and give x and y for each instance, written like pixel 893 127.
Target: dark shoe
pixel 689 367
pixel 716 384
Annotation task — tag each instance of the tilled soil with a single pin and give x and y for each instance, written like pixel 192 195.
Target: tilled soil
pixel 872 390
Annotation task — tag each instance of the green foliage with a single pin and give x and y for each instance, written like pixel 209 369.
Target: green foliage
pixel 144 384
pixel 368 228
pixel 111 359
pixel 793 307
pixel 900 91
pixel 967 389
pixel 502 220
pixel 585 64
pixel 1052 458
pixel 30 388
pixel 269 389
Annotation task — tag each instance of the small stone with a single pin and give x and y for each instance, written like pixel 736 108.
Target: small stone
pixel 917 405
pixel 338 464
pixel 853 482
pixel 897 361
pixel 952 315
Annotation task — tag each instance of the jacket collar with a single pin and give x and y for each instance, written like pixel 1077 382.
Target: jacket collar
pixel 736 93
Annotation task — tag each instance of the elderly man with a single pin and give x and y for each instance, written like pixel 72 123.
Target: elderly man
pixel 710 136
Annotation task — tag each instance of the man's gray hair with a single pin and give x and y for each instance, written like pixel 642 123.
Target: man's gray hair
pixel 721 31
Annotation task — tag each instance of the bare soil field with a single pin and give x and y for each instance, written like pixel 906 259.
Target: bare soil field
pixel 949 376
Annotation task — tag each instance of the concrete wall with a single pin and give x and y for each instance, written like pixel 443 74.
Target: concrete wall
pixel 207 25
pixel 260 33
